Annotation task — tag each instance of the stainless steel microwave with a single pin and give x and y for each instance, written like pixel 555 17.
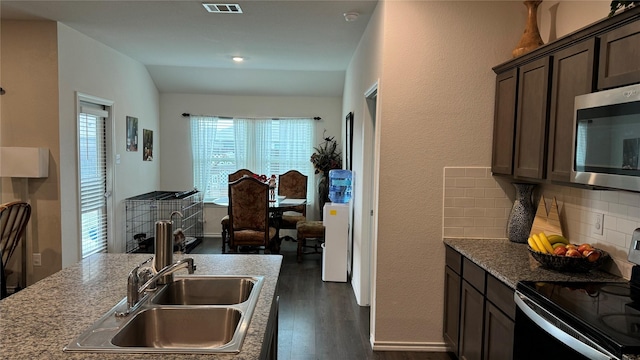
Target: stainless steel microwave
pixel 606 139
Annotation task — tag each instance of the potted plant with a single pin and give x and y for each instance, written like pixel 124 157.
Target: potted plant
pixel 326 157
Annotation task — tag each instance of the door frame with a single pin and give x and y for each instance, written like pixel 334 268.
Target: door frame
pixel 370 170
pixel 110 175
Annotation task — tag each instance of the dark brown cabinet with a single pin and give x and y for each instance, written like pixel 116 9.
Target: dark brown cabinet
pixel 498 329
pixel 573 75
pixel 503 123
pixel 479 311
pixel 471 322
pixel 535 95
pixel 499 316
pixel 531 119
pixel 451 320
pixel 452 283
pixel 619 63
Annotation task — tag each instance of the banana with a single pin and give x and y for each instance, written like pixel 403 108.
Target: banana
pixel 532 244
pixel 557 245
pixel 541 248
pixel 546 243
pixel 555 239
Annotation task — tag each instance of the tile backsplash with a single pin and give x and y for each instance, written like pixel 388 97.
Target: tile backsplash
pixel 477 205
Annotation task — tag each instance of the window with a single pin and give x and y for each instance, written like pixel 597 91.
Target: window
pixel 265 146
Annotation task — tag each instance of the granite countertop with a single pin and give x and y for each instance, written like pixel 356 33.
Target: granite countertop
pixel 39 321
pixel 511 262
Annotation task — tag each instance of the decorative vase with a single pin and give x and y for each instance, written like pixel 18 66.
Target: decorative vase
pixel 522 213
pixel 531 37
pixel 323 191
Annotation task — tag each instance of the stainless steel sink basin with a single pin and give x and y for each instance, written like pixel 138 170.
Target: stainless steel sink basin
pixel 205 290
pixel 194 314
pixel 179 328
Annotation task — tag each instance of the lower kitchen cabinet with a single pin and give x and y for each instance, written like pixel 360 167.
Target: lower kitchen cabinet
pixel 479 311
pixel 451 321
pixel 471 320
pixel 452 288
pixel 498 330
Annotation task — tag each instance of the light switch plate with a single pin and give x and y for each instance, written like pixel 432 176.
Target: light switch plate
pixel 37 259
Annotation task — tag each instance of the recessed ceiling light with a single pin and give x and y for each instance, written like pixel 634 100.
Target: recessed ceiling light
pixel 223 8
pixel 238 58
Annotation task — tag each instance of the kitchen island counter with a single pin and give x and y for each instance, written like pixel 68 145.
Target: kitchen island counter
pixel 39 321
pixel 511 262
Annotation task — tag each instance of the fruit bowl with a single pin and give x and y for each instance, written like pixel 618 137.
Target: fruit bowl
pixel 568 263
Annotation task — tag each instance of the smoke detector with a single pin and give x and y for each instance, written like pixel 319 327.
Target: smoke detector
pixel 223 8
pixel 351 16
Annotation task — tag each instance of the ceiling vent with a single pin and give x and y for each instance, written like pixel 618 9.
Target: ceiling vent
pixel 223 8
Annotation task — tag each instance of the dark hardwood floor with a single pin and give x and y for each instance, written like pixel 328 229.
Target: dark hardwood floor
pixel 320 320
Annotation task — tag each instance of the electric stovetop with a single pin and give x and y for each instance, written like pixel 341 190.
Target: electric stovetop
pixel 608 313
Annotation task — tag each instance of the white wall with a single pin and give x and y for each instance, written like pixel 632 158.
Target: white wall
pixel 436 99
pixel 91 68
pixel 363 73
pixel 436 109
pixel 175 156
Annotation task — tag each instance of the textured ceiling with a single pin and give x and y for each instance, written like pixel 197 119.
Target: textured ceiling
pixel 291 47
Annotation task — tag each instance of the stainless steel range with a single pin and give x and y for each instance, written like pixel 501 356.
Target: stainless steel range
pixel 580 320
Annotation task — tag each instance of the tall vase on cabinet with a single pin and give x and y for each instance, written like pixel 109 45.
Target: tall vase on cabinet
pixel 531 37
pixel 522 213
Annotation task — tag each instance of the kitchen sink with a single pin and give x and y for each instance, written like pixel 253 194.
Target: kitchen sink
pixel 176 328
pixel 193 314
pixel 205 290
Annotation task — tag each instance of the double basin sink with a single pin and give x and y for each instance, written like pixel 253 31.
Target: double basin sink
pixel 192 314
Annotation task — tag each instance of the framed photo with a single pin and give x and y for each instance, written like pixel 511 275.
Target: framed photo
pixel 147 136
pixel 349 136
pixel 132 133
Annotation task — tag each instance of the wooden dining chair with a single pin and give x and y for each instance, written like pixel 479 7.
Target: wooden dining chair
pixel 14 217
pixel 225 220
pixel 293 185
pixel 249 215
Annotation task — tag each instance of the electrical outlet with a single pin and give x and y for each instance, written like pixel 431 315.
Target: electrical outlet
pixel 598 224
pixel 37 259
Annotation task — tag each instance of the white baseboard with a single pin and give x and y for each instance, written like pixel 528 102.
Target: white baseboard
pixel 408 346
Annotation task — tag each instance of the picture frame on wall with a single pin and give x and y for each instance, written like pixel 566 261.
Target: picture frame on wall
pixel 147 153
pixel 132 133
pixel 349 138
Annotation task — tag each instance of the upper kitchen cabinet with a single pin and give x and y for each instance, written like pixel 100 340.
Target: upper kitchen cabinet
pixel 535 93
pixel 573 75
pixel 619 57
pixel 531 119
pixel 503 123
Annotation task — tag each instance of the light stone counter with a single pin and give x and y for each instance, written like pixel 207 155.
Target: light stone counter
pixel 39 321
pixel 511 262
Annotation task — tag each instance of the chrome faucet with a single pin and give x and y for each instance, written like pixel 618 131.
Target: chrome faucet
pixel 161 272
pixel 150 278
pixel 164 246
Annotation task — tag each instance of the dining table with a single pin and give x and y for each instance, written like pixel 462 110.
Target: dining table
pixel 277 208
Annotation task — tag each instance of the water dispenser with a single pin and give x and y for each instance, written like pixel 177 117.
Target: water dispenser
pixel 340 186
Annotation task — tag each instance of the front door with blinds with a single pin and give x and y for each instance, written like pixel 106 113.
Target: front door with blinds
pixel 94 184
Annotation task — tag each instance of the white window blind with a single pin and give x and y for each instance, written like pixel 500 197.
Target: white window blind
pixel 93 175
pixel 221 146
